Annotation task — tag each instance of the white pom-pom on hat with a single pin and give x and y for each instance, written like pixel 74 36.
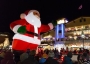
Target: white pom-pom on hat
pixel 22 16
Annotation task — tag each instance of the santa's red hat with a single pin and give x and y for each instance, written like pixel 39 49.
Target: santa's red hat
pixel 22 16
pixel 26 12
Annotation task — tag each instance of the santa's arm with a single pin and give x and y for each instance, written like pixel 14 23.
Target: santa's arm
pixel 45 28
pixel 16 24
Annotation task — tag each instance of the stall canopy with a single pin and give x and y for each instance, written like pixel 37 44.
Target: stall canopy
pixel 4 41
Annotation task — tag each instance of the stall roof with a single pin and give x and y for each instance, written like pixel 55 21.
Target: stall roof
pixel 78 22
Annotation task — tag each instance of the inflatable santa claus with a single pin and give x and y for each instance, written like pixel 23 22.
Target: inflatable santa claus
pixel 27 31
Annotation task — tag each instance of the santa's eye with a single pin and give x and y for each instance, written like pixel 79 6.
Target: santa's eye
pixel 35 13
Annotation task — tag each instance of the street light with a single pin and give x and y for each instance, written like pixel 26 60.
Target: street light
pixel 62 21
pixel 83 36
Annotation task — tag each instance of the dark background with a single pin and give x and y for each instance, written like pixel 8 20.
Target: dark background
pixel 10 10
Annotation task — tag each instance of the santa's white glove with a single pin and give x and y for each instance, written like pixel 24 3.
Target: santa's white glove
pixel 51 26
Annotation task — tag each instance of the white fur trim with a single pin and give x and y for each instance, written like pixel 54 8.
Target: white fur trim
pixel 16 28
pixel 36 31
pixel 27 39
pixel 50 25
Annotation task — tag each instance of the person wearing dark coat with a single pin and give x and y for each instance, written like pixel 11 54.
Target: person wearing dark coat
pixel 31 59
pixel 8 59
pixel 67 59
pixel 51 60
pixel 2 54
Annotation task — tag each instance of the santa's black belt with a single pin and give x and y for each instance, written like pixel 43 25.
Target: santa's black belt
pixel 35 34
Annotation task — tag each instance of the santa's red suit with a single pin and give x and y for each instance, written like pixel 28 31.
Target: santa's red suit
pixel 26 41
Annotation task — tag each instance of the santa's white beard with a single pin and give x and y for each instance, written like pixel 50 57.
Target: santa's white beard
pixel 33 20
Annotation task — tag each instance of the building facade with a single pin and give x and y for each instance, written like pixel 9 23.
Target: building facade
pixel 77 33
pixel 55 37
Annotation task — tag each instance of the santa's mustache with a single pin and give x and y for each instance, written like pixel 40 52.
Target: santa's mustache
pixel 37 16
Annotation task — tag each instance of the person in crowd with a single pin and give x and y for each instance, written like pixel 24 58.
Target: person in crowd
pixel 45 55
pixel 67 59
pixel 37 57
pixel 87 51
pixel 28 51
pixel 85 58
pixel 31 59
pixel 43 59
pixel 79 55
pixel 23 57
pixel 46 51
pixel 85 55
pixel 2 54
pixel 75 51
pixel 8 59
pixel 17 55
pixel 67 50
pixel 61 50
pixel 56 52
pixel 51 60
pixel 80 50
pixel 51 53
pixel 60 55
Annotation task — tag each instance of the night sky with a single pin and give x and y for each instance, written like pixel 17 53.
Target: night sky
pixel 49 10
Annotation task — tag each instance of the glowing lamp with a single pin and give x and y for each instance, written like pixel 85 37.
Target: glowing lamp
pixel 62 21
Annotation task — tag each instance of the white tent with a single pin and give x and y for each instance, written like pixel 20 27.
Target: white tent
pixel 6 42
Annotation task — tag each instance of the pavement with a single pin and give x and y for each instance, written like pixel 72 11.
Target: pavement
pixel 74 58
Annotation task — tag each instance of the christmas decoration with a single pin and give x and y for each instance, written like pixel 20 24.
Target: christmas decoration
pixel 27 31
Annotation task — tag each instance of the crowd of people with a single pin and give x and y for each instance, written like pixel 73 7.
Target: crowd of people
pixel 42 57
pixel 28 57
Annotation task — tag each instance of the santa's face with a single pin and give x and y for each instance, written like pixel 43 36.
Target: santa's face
pixel 33 18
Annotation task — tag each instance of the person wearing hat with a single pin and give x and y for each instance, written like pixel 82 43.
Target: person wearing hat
pixel 27 31
pixel 31 58
pixel 67 59
pixel 51 54
pixel 43 58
